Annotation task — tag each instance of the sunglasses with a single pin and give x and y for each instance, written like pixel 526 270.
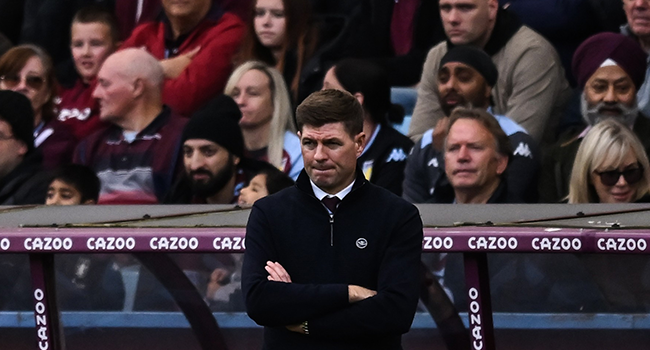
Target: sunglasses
pixel 33 81
pixel 610 178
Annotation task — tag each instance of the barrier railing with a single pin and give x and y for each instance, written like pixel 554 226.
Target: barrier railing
pixel 473 241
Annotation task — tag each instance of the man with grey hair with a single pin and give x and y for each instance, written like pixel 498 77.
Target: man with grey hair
pixel 137 157
pixel 638 28
pixel 610 69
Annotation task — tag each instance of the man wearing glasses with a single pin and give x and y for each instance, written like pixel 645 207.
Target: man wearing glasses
pixel 21 178
pixel 610 68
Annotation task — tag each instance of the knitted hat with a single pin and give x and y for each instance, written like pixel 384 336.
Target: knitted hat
pixel 621 50
pixel 474 58
pixel 16 110
pixel 217 121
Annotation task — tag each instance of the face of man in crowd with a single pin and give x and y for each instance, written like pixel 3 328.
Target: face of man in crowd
pixel 330 155
pixel 472 162
pixel 208 166
pixel 622 191
pixel 255 190
pixel 12 150
pixel 609 92
pixel 186 8
pixel 91 43
pixel 62 193
pixel 638 17
pixel 31 82
pixel 461 85
pixel 114 92
pixel 252 93
pixel 270 23
pixel 468 22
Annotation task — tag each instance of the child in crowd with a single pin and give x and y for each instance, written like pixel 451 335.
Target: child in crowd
pixel 268 181
pixel 73 184
pixel 94 36
pixel 84 281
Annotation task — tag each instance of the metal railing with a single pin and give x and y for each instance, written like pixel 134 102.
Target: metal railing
pixel 474 241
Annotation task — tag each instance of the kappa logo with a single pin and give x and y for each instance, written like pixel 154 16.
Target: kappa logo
pixel 396 155
pixel 362 243
pixel 523 150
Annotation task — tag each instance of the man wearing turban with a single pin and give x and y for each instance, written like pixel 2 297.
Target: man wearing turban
pixel 610 68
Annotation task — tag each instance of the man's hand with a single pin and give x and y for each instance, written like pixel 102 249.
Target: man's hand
pixel 358 293
pixel 277 273
pixel 440 133
pixel 296 328
pixel 216 278
pixel 173 67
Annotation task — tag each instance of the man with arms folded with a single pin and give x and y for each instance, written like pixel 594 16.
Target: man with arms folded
pixel 322 275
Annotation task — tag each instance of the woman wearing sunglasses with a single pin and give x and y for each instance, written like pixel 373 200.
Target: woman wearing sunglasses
pixel 611 166
pixel 28 69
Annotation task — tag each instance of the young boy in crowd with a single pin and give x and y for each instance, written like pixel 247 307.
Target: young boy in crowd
pixel 84 281
pixel 266 182
pixel 73 184
pixel 94 36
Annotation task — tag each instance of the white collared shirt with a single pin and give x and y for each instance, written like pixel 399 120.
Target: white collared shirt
pixel 320 194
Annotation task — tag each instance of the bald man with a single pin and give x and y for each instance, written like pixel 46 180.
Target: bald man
pixel 137 156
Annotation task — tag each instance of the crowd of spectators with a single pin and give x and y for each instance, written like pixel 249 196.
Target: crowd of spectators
pixel 194 101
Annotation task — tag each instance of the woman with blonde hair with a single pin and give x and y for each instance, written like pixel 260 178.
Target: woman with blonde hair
pixel 267 119
pixel 611 166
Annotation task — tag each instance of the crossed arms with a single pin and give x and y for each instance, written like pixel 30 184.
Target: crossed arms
pixel 332 309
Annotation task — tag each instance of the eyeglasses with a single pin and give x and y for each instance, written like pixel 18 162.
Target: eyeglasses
pixel 610 178
pixel 33 81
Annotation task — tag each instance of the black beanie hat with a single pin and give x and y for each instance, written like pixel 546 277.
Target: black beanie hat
pixel 474 58
pixel 217 121
pixel 16 110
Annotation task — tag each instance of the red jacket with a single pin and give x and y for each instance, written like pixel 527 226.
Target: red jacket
pixel 208 73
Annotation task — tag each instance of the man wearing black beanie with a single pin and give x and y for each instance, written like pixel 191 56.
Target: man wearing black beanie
pixel 466 78
pixel 213 156
pixel 21 178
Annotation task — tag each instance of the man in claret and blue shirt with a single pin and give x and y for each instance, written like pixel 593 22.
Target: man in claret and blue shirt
pixel 332 273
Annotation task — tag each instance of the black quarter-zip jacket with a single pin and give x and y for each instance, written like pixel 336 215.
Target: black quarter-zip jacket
pixel 374 240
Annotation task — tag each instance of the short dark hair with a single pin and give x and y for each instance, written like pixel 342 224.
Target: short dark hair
pixel 331 106
pixel 82 178
pixel 371 80
pixel 276 180
pixel 488 121
pixel 99 14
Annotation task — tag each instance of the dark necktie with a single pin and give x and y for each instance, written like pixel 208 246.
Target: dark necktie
pixel 331 202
